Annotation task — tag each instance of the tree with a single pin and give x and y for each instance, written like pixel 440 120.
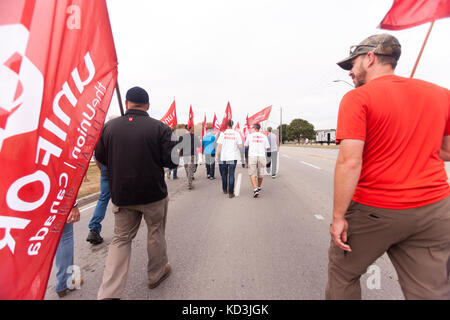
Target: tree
pixel 301 129
pixel 284 133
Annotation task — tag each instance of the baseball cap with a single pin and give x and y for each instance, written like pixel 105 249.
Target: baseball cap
pixel 382 44
pixel 137 95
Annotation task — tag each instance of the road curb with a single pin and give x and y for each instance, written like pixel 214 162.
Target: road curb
pixel 88 199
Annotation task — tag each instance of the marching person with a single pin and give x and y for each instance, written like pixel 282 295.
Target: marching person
pixel 67 280
pixel 95 225
pixel 272 154
pixel 136 148
pixel 258 145
pixel 189 144
pixel 169 171
pixel 209 150
pixel 390 189
pixel 228 146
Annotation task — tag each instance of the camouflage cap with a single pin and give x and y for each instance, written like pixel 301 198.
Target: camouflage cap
pixel 382 44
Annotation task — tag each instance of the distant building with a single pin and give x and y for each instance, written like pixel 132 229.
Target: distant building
pixel 326 136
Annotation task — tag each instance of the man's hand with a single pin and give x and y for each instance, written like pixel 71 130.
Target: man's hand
pixel 74 215
pixel 338 233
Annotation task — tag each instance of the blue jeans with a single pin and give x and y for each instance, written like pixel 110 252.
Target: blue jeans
pixel 102 204
pixel 227 169
pixel 64 258
pixel 174 172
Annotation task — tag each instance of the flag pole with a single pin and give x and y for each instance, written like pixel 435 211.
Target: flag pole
pixel 119 97
pixel 421 50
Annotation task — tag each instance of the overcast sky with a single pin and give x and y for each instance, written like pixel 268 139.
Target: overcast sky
pixel 256 53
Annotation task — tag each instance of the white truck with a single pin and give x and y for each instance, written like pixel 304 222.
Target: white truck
pixel 326 136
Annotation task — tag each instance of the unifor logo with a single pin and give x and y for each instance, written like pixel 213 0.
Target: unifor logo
pixel 21 84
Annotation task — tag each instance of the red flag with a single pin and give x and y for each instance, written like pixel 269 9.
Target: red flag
pixel 190 125
pixel 246 128
pixel 238 129
pixel 58 69
pixel 226 118
pixel 216 124
pixel 204 127
pixel 409 13
pixel 203 131
pixel 170 118
pixel 260 116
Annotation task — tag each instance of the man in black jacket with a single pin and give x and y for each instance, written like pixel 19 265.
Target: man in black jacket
pixel 136 148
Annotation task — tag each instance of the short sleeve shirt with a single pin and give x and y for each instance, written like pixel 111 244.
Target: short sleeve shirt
pixel 230 141
pixel 402 122
pixel 257 144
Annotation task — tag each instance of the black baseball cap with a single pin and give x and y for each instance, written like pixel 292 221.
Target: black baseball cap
pixel 137 95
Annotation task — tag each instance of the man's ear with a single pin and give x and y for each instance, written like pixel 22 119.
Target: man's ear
pixel 126 105
pixel 147 106
pixel 370 59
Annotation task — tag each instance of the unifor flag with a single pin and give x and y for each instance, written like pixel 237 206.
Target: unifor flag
pixel 204 127
pixel 260 116
pixel 216 124
pixel 226 118
pixel 203 130
pixel 170 118
pixel 246 128
pixel 58 71
pixel 409 13
pixel 190 124
pixel 238 129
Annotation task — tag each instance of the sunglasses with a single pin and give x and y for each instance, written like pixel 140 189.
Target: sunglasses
pixel 356 47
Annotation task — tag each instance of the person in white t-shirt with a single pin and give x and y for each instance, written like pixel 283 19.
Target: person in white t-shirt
pixel 228 146
pixel 258 145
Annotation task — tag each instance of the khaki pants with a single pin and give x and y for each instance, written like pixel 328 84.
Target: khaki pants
pixel 126 226
pixel 256 167
pixel 417 242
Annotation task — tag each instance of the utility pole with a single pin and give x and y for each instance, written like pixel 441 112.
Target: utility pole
pixel 281 125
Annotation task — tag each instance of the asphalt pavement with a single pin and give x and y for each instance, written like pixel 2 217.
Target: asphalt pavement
pixel 273 247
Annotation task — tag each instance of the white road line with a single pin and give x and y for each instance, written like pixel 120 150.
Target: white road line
pixel 319 217
pixel 286 156
pixel 237 188
pixel 87 208
pixel 311 165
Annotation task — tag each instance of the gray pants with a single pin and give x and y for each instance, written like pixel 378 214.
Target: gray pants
pixel 189 166
pixel 126 225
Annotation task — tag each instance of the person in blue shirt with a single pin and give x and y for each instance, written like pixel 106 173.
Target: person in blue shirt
pixel 209 150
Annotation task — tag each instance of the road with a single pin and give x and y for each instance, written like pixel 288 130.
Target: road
pixel 274 247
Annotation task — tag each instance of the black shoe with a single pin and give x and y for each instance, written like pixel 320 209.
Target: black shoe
pixel 225 191
pixel 255 193
pixel 94 237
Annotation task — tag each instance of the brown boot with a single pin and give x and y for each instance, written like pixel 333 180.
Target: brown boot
pixel 166 274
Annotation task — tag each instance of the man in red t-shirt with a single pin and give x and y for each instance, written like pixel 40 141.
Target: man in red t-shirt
pixel 391 191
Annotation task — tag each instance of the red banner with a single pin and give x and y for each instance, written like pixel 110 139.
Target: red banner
pixel 409 13
pixel 190 124
pixel 246 128
pixel 170 118
pixel 216 124
pixel 226 118
pixel 238 129
pixel 263 115
pixel 204 127
pixel 58 70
